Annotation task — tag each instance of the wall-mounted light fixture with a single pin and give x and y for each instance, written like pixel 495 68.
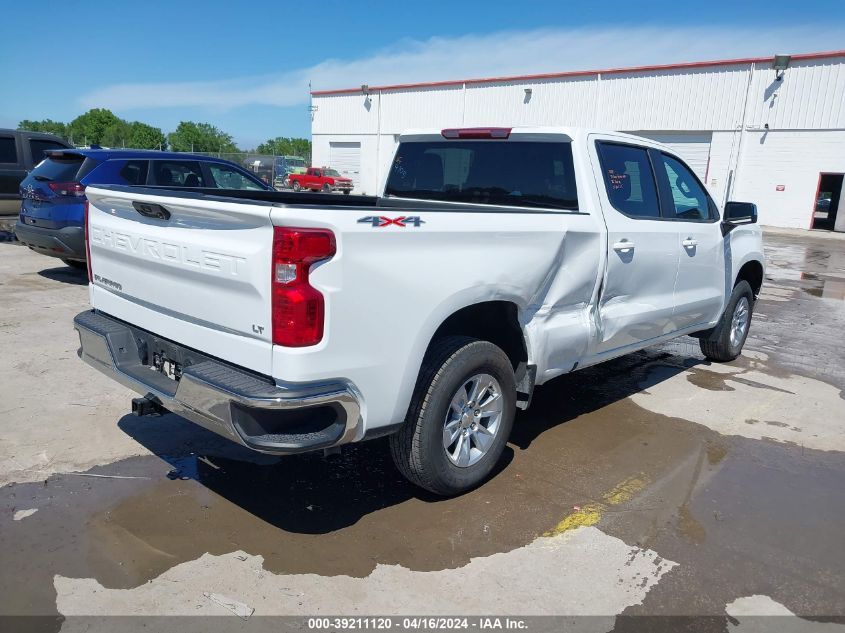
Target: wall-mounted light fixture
pixel 528 93
pixel 365 89
pixel 780 63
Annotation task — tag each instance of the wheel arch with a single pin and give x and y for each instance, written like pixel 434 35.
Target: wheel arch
pixel 751 271
pixel 495 321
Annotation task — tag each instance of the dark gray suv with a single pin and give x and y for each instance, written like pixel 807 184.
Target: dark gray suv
pixel 20 151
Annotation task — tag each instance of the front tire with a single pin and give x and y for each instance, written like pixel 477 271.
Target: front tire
pixel 460 416
pixel 296 186
pixel 327 189
pixel 724 343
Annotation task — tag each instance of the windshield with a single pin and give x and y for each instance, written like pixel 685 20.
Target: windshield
pixel 514 173
pixel 295 162
pixel 330 172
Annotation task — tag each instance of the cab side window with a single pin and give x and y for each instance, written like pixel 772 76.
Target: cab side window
pixel 177 173
pixel 8 150
pixel 226 177
pixel 629 180
pixel 134 172
pixel 689 200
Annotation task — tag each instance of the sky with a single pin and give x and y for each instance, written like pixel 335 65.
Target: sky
pixel 246 67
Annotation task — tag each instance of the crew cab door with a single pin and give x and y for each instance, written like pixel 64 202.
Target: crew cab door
pixel 313 178
pixel 637 296
pixel 700 287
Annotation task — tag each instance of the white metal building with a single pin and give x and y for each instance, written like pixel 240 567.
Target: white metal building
pixel 751 132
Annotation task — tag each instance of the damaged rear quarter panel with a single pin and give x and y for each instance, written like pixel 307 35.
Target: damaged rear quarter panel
pixel 390 289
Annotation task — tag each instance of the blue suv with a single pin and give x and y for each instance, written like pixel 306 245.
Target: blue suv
pixel 53 195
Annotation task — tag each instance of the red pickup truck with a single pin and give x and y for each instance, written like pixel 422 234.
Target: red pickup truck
pixel 320 179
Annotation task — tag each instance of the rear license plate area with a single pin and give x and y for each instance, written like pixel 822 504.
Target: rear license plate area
pixel 166 366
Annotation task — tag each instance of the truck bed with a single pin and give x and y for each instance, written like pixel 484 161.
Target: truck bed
pixel 317 199
pixel 253 196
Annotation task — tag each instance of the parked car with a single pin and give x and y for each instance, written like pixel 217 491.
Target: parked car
pixel 20 151
pixel 497 260
pixel 51 215
pixel 287 165
pixel 322 179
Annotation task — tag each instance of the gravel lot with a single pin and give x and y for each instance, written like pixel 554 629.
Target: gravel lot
pixel 654 485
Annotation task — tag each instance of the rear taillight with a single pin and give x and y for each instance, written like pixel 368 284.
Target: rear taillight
pixel 72 189
pixel 476 132
pixel 298 309
pixel 87 244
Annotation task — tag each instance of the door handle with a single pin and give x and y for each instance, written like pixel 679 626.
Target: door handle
pixel 623 246
pixel 689 242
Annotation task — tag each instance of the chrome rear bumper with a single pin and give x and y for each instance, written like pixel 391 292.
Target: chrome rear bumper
pixel 246 408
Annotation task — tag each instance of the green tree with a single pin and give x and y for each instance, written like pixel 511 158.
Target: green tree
pixel 200 137
pixel 136 135
pixel 116 135
pixel 282 145
pixel 143 136
pixel 47 125
pixel 90 128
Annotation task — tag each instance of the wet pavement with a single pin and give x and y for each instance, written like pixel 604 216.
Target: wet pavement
pixel 7 229
pixel 658 484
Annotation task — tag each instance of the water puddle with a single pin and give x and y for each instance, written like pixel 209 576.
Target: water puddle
pixel 127 523
pixel 827 289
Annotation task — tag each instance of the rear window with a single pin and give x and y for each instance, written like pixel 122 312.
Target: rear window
pixel 514 173
pixel 64 168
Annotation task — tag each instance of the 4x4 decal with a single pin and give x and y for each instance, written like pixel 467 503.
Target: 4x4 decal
pixel 379 221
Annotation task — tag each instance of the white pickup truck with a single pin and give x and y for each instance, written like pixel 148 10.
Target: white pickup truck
pixel 496 260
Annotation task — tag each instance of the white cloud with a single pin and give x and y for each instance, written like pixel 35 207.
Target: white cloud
pixel 494 54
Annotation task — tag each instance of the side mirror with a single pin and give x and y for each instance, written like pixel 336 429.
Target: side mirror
pixel 739 213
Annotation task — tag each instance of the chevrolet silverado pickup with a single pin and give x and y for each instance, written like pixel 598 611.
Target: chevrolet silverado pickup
pixel 496 260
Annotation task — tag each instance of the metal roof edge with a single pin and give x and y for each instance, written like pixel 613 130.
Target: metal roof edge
pixel 577 73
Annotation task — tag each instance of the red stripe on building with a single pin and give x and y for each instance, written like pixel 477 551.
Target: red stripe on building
pixel 578 73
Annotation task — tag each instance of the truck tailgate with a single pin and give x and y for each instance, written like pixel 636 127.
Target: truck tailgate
pixel 198 274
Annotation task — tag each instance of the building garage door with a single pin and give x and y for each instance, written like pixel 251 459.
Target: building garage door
pixel 346 158
pixel 693 147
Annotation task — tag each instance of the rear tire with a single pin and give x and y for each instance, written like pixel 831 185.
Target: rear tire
pixel 76 264
pixel 455 370
pixel 724 343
